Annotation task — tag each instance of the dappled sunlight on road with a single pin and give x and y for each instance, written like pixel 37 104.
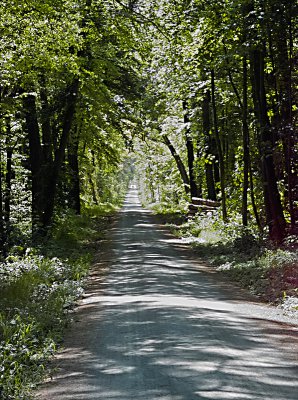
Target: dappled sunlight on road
pixel 155 325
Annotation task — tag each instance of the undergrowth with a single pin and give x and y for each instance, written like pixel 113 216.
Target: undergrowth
pixel 39 287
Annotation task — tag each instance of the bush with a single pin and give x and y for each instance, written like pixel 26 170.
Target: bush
pixel 23 353
pixel 36 294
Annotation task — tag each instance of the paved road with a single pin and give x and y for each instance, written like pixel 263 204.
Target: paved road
pixel 157 325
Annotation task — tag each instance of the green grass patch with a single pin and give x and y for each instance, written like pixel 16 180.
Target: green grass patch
pixel 172 215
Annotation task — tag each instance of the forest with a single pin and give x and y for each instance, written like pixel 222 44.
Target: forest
pixel 192 98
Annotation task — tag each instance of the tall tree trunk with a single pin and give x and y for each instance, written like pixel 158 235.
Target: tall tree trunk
pixel 247 8
pixel 209 154
pixel 93 190
pixel 293 133
pixel 2 226
pixel 252 198
pixel 51 185
pixel 287 130
pixel 273 206
pixel 247 168
pixel 219 149
pixel 73 162
pixel 179 164
pixel 46 128
pixel 190 153
pixel 8 176
pixel 35 159
pixel 44 170
pixel 245 138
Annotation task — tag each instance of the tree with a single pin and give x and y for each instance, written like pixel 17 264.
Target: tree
pixel 207 86
pixel 57 57
pixel 250 65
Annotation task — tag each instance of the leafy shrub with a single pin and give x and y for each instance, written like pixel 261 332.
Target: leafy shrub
pixel 281 273
pixel 278 258
pixel 23 353
pixel 272 274
pixel 36 294
pixel 211 230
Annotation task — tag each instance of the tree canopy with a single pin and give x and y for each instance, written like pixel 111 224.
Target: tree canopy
pixel 203 94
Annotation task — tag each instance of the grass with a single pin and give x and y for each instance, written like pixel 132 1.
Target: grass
pixel 38 291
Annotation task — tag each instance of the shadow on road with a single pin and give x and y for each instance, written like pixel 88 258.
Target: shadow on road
pixel 154 325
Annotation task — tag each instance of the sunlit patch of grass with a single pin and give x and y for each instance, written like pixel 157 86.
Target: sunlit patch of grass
pixel 174 216
pixel 101 209
pixel 73 235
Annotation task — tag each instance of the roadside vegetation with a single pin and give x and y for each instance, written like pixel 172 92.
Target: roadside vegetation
pixel 242 254
pixel 39 289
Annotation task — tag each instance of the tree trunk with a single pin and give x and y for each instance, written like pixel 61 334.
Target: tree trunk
pixel 190 154
pixel 209 156
pixel 252 197
pixel 245 138
pixel 93 190
pixel 293 134
pixel 44 170
pixel 247 169
pixel 35 159
pixel 46 128
pixel 8 176
pixel 273 206
pixel 179 164
pixel 219 149
pixel 2 226
pixel 51 185
pixel 73 162
pixel 287 130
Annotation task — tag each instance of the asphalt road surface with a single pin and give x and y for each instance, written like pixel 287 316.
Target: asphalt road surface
pixel 156 324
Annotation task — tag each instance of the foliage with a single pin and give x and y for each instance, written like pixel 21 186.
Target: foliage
pixel 273 275
pixel 35 295
pixel 158 179
pixel 244 256
pixel 84 82
pixel 38 293
pixel 23 352
pixel 202 95
pixel 69 85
